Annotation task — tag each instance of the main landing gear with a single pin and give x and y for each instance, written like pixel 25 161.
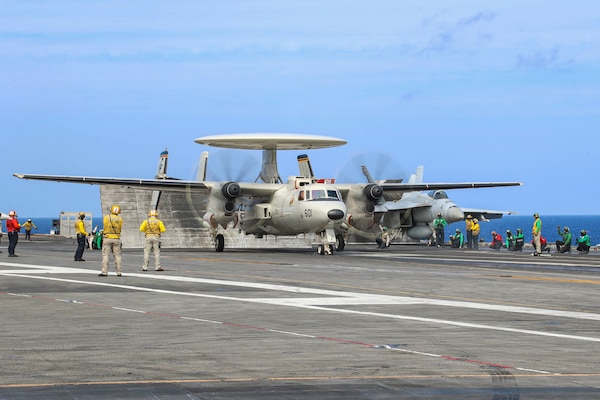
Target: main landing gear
pixel 219 243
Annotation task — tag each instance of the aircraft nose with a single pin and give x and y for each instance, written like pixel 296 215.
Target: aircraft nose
pixel 335 214
pixel 454 214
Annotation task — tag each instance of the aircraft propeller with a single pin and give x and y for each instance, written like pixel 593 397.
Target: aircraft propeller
pixel 380 165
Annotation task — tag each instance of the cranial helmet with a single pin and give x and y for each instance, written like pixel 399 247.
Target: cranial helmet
pixel 536 215
pixel 12 213
pixel 566 229
pixel 583 232
pixel 154 213
pixel 81 215
pixel 457 230
pixel 115 209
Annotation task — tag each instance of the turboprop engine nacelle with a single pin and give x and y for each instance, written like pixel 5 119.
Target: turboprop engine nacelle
pixel 220 209
pixel 361 203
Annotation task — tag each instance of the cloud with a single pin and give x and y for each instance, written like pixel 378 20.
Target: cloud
pixel 542 59
pixel 452 30
pixel 475 19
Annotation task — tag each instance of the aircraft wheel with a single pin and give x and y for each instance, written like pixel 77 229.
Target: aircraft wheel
pixel 219 243
pixel 339 242
pixel 321 250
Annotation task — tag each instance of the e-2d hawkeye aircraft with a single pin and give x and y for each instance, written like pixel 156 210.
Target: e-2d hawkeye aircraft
pixel 268 207
pixel 302 205
pixel 403 208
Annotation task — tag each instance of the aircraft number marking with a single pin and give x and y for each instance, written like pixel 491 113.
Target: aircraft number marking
pixel 308 212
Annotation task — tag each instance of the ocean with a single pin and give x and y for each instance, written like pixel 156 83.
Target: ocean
pixel 591 223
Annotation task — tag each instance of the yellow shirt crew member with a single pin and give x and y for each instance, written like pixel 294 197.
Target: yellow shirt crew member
pixel 113 223
pixel 536 232
pixel 81 236
pixel 152 228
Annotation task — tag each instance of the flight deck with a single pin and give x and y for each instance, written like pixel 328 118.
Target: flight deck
pixel 406 322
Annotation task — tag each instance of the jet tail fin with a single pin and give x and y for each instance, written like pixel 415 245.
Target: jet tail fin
pixel 417 177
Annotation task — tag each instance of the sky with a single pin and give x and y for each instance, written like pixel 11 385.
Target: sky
pixel 474 91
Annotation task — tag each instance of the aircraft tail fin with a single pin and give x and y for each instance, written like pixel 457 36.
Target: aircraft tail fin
pixel 161 173
pixel 305 167
pixel 417 177
pixel 202 164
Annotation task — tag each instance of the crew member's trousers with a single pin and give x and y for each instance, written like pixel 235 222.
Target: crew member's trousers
pixel 81 239
pixel 13 238
pixel 152 245
pixel 537 241
pixel 111 246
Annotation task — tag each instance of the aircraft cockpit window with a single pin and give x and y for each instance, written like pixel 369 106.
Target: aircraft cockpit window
pixel 333 194
pixel 301 195
pixel 440 194
pixel 317 194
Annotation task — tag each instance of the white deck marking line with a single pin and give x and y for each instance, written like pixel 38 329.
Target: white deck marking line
pixel 554 262
pixel 340 298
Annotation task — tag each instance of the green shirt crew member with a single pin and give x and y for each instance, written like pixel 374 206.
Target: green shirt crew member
pixel 458 239
pixel 439 224
pixel 583 242
pixel 564 244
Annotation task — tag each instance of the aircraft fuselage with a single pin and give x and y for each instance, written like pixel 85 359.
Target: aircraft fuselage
pixel 310 208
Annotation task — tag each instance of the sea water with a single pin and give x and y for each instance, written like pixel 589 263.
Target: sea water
pixel 590 223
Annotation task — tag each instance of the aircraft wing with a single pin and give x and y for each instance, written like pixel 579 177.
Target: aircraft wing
pixel 175 185
pixel 407 187
pixel 394 190
pixel 485 214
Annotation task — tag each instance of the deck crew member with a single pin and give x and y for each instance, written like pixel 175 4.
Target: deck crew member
pixel 153 228
pixel 81 236
pixel 111 243
pixel 13 228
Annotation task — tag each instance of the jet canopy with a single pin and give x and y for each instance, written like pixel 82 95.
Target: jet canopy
pixel 438 194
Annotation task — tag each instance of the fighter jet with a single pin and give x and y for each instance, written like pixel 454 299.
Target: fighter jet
pixel 403 208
